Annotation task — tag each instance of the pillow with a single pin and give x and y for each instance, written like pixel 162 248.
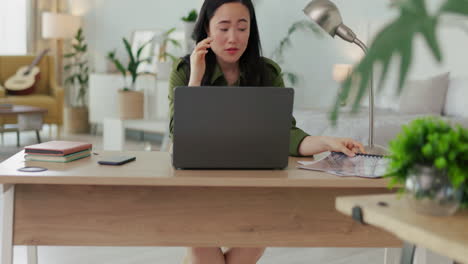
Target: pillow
pixel 425 96
pixel 456 102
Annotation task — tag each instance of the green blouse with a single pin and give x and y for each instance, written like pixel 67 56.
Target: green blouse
pixel 180 77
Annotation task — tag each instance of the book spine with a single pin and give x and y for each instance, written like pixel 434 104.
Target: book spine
pixel 77 149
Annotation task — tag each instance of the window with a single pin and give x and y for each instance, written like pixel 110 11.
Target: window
pixel 13 27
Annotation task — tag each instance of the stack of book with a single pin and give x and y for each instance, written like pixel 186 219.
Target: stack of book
pixel 57 151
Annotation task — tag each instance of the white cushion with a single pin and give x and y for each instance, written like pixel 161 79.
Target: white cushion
pixel 456 102
pixel 425 96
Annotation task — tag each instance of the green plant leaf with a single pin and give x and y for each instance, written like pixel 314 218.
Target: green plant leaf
pixel 191 17
pixel 169 32
pixel 140 49
pixel 69 55
pixel 128 48
pixel 291 77
pixel 455 6
pixel 394 40
pixel 119 67
pixel 175 42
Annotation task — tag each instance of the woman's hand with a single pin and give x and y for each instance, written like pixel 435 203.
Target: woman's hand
pixel 197 62
pixel 316 144
pixel 348 146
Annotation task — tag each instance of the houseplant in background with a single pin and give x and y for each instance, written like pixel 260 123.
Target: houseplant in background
pixel 430 158
pixel 131 101
pixel 285 43
pixel 76 82
pixel 165 59
pixel 396 40
pixel 189 25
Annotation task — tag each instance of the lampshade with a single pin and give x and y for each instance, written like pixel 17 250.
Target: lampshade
pixel 328 17
pixel 59 26
pixel 341 72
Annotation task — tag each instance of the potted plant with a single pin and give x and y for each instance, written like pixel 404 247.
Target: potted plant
pixel 285 43
pixel 76 82
pixel 131 101
pixel 165 59
pixel 396 40
pixel 189 25
pixel 430 158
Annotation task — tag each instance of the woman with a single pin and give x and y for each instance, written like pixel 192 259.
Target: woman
pixel 228 52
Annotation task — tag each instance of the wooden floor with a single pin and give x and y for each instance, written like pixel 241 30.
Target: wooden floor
pixel 146 255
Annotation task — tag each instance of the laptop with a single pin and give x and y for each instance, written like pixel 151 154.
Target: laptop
pixel 232 127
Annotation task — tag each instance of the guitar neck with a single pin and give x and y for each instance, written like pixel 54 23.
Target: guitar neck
pixel 36 61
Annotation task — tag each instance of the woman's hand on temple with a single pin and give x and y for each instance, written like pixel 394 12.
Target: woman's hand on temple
pixel 316 144
pixel 197 62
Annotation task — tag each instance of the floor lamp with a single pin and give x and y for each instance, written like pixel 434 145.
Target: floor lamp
pixel 327 16
pixel 59 26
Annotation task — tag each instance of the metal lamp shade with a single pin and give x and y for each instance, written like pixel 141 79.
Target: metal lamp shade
pixel 325 14
pixel 328 17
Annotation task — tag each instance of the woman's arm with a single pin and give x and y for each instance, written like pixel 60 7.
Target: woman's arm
pixel 316 144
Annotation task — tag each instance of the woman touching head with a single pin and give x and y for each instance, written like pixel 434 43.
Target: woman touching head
pixel 227 34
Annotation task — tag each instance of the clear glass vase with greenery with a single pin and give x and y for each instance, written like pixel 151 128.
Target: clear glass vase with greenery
pixel 76 69
pixel 133 63
pixel 431 143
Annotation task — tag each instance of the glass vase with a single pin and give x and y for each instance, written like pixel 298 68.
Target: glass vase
pixel 429 191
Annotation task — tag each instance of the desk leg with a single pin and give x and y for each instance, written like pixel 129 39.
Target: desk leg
pixel 8 216
pixel 407 255
pixel 32 254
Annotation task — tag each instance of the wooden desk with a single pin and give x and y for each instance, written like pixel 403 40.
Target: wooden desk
pixel 447 236
pixel 148 203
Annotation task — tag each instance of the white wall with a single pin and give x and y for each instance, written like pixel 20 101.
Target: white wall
pixel 107 21
pixel 13 27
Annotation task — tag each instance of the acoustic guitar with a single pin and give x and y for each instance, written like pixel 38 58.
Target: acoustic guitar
pixel 23 82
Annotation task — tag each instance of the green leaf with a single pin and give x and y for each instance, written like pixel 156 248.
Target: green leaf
pixel 455 6
pixel 69 55
pixel 175 42
pixel 129 50
pixel 191 17
pixel 291 77
pixel 140 49
pixel 170 31
pixel 119 67
pixel 394 40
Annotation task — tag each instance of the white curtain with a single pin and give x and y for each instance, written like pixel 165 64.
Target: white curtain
pixel 13 27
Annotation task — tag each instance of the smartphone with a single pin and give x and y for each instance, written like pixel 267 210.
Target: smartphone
pixel 116 160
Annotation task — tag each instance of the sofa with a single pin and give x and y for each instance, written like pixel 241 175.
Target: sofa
pixel 442 96
pixel 47 94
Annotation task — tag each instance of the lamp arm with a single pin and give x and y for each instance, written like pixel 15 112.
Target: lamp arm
pixel 371 96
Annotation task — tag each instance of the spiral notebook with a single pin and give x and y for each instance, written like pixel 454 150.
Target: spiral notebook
pixel 361 165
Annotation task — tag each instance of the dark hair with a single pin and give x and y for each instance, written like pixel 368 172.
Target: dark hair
pixel 250 63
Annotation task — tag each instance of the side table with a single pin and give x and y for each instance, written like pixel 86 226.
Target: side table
pixel 29 118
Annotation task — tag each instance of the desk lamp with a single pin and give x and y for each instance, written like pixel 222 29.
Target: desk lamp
pixel 327 16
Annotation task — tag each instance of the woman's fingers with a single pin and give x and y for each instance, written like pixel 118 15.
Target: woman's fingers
pixel 204 44
pixel 354 145
pixel 347 151
pixel 202 47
